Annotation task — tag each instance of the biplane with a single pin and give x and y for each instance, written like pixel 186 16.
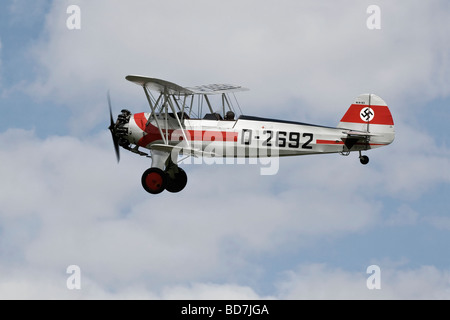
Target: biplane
pixel 187 121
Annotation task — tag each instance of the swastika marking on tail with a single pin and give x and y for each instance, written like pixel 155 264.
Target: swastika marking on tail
pixel 367 114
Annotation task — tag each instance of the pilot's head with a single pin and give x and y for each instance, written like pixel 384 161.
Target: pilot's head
pixel 229 115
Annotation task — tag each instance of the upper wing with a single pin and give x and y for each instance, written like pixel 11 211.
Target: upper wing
pixel 159 85
pixel 216 89
pixel 167 87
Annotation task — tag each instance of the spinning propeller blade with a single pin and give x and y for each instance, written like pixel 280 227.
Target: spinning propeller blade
pixel 113 130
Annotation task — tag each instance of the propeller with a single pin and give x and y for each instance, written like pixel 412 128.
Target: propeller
pixel 112 128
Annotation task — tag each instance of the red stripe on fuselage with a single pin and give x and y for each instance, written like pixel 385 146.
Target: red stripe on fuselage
pixel 153 133
pixel 328 142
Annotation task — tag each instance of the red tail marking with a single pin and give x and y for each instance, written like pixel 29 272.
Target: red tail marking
pixel 382 115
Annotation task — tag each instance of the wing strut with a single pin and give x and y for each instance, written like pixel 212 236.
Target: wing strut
pixel 178 120
pixel 154 113
pixel 209 103
pixel 167 102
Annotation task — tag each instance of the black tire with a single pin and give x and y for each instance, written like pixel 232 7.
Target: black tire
pixel 178 182
pixel 364 159
pixel 154 180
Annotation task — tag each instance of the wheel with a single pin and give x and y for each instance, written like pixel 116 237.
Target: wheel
pixel 364 159
pixel 154 180
pixel 178 182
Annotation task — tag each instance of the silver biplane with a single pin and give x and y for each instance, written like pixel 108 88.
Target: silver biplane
pixel 185 121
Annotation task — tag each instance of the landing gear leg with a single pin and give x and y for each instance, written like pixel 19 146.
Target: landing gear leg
pixel 363 159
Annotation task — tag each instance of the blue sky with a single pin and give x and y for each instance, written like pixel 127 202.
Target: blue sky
pixel 308 232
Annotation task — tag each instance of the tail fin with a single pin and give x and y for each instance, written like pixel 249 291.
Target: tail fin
pixel 369 113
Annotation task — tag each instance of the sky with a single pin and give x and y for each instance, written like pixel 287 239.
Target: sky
pixel 313 230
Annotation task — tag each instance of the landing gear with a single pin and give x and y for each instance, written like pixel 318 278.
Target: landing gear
pixel 363 159
pixel 155 180
pixel 176 179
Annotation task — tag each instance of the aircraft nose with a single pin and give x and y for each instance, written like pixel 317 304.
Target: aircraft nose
pixel 121 127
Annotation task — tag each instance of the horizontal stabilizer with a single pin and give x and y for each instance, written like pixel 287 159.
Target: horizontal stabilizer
pixel 358 134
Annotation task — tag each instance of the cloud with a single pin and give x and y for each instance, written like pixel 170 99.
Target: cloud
pixel 440 222
pixel 307 282
pixel 67 202
pixel 74 205
pixel 318 281
pixel 291 54
pixel 412 170
pixel 207 291
pixel 71 190
pixel 404 216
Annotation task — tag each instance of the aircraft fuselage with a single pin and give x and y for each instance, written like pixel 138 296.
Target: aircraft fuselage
pixel 244 137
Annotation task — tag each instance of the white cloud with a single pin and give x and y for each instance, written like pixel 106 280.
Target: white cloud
pixel 207 291
pixel 317 281
pixel 307 282
pixel 416 163
pixel 440 222
pixel 310 55
pixel 67 202
pixel 74 205
pixel 403 216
